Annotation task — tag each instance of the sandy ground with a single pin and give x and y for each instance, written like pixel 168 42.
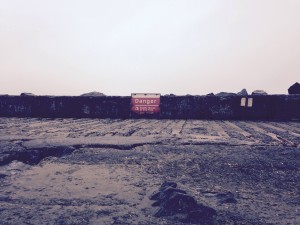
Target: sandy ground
pixel 94 171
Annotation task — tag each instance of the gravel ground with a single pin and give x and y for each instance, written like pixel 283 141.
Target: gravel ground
pixel 95 171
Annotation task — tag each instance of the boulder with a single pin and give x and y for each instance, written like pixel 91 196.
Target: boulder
pixel 167 184
pixel 164 195
pixel 93 94
pixel 259 92
pixel 243 92
pixel 294 89
pixel 210 94
pixel 165 189
pixel 225 94
pixel 176 203
pixel 27 94
pixel 202 214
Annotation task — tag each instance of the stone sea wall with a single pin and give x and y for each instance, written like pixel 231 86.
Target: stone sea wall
pixel 260 107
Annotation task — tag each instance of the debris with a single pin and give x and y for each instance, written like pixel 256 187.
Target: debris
pixel 294 89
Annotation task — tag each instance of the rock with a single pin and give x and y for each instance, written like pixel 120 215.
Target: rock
pixel 2 176
pixel 27 94
pixel 163 195
pixel 167 184
pixel 177 203
pixel 155 195
pixel 165 189
pixel 93 94
pixel 225 198
pixel 225 94
pixel 4 198
pixel 210 94
pixel 294 89
pixel 259 92
pixel 169 191
pixel 202 214
pixel 243 92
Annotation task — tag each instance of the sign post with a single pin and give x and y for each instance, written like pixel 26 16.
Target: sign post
pixel 145 105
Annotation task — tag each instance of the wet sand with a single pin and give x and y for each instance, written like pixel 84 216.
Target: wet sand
pixel 95 171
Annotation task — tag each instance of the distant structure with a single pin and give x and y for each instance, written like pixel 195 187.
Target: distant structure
pixel 294 89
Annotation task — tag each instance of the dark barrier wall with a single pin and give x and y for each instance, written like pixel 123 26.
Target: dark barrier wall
pixel 77 107
pixel 270 107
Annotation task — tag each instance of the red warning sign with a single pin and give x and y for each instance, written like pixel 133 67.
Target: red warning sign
pixel 145 103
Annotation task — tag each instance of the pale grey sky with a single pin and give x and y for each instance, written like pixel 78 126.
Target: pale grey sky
pixel 70 47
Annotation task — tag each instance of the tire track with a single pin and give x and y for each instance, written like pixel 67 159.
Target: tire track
pixel 129 129
pixel 280 129
pixel 161 128
pixel 148 128
pixel 290 128
pixel 177 127
pixel 238 129
pixel 219 129
pixel 275 137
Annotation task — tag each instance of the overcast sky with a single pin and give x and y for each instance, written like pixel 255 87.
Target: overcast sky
pixel 70 47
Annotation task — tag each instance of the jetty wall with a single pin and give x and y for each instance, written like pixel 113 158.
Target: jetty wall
pixel 256 107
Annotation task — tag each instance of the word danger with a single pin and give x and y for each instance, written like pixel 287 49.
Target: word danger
pixel 145 101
